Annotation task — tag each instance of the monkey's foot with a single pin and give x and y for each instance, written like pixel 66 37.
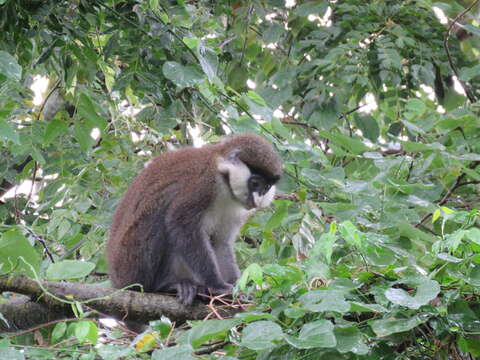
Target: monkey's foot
pixel 186 292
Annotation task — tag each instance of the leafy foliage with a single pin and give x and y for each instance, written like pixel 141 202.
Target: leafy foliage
pixel 373 249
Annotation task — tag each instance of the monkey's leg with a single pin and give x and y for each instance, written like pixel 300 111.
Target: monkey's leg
pixel 226 262
pixel 198 256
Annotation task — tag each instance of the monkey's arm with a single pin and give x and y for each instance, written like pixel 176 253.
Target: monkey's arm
pixel 197 268
pixel 226 261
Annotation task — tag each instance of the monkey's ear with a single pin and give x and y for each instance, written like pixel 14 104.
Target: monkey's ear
pixel 225 164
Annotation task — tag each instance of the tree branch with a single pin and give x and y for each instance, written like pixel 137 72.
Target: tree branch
pixel 119 304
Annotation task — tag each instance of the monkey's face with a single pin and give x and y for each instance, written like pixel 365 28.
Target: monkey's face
pixel 247 187
pixel 261 191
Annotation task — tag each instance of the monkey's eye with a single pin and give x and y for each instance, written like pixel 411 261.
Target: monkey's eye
pixel 256 184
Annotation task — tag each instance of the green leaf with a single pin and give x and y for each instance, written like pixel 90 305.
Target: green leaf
pixel 254 316
pixel 82 135
pixel 355 146
pixel 350 339
pixel 209 63
pixel 385 327
pixel 182 76
pixel 426 291
pixel 277 217
pixel 416 106
pixel 11 354
pixel 192 43
pixel 369 127
pixel 69 269
pixel 54 128
pixel 9 66
pixel 325 300
pixel 316 334
pixel 351 234
pixel 58 332
pixel 252 272
pixel 474 276
pixel 86 331
pixel 87 110
pixel 14 245
pixel 261 335
pixel 7 133
pixel 182 352
pixel 210 329
pixel 313 7
pixel 473 29
pixel 163 326
pixel 257 98
pixel 362 307
pixel 473 235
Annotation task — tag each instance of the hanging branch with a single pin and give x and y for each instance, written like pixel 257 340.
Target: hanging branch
pixel 469 94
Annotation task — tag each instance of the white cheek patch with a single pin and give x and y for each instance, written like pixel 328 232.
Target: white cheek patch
pixel 238 175
pixel 265 200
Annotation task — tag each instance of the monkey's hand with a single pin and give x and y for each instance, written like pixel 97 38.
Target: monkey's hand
pixel 225 289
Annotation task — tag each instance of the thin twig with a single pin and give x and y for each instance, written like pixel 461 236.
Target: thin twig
pixel 458 183
pixel 43 243
pixel 469 94
pixel 212 348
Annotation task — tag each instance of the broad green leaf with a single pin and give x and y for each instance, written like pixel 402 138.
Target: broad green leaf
pixel 86 331
pixel 369 126
pixel 54 128
pixel 385 327
pixel 415 106
pixel 254 316
pixel 69 269
pixel 7 133
pixel 473 234
pixel 252 272
pixel 261 335
pixel 473 29
pixel 474 276
pixel 210 329
pixel 191 42
pixel 350 339
pixel 13 246
pixel 426 291
pixel 316 334
pixel 362 307
pixel 351 234
pixel 182 76
pixel 58 332
pixel 257 98
pixel 324 246
pixel 163 326
pixel 311 8
pixel 9 66
pixel 277 217
pixel 209 63
pixel 82 135
pixel 467 74
pixel 182 352
pixel 349 143
pixel 87 110
pixel 325 300
pixel 11 353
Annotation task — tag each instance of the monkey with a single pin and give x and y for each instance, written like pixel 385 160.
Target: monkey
pixel 175 227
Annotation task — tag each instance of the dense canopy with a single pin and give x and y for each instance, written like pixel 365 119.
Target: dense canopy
pixel 371 249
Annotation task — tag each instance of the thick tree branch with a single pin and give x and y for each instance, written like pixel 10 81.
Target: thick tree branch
pixel 119 304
